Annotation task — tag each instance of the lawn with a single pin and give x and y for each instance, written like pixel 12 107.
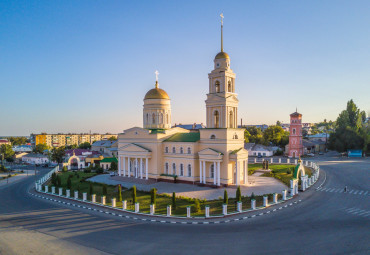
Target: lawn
pixel 78 182
pixel 284 173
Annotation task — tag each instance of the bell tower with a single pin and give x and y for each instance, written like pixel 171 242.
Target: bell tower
pixel 222 102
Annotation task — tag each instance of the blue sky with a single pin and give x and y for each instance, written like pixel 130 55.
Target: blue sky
pixel 76 66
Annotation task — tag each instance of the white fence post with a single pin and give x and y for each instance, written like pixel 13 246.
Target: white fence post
pixel 207 211
pixel 124 205
pixel 284 194
pixel 53 190
pixel 137 207
pixel 93 198
pixel 275 198
pixel 253 204
pixel 239 206
pixel 76 194
pixel 60 191
pixel 265 201
pixel 188 215
pixel 103 200
pixel 168 210
pixel 224 209
pixel 113 202
pixel 46 188
pixel 152 209
pixel 68 193
pixel 84 196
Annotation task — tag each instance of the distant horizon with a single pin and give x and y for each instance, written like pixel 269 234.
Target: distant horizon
pixel 76 66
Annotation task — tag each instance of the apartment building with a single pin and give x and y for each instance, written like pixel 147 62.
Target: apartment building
pixel 58 140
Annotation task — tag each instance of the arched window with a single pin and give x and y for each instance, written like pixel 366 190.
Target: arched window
pixel 235 136
pixel 173 150
pixel 231 119
pixel 166 149
pixel 189 150
pixel 217 117
pixel 213 137
pixel 212 171
pixel 229 86
pixel 153 118
pixel 181 169
pixel 181 150
pixel 293 131
pixel 166 168
pixel 217 86
pixel 189 170
pixel 161 118
pixel 147 118
pixel 167 120
pixel 174 169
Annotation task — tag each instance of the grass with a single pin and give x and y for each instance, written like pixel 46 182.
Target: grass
pixel 79 183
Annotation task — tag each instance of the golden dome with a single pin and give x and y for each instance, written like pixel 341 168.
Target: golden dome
pixel 156 93
pixel 221 55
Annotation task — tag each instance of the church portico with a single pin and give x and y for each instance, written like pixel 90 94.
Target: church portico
pixel 133 161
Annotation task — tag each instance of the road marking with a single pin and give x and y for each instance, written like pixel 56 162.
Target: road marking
pixel 351 192
pixel 366 192
pixel 361 192
pixel 355 192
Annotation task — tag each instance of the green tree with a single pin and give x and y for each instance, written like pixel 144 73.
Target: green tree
pixel 254 135
pixel 113 166
pixel 7 151
pixel 153 196
pixel 85 145
pixel 134 198
pixel 273 134
pixel 238 194
pixel 57 154
pixel 19 140
pixel 253 196
pixel 54 179
pixel 105 189
pixel 112 138
pixel 64 169
pixel 71 147
pixel 174 200
pixel 69 183
pixel 59 181
pixel 119 193
pixel 91 188
pixel 226 197
pixel 40 148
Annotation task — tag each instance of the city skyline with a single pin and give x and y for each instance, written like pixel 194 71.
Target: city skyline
pixel 70 68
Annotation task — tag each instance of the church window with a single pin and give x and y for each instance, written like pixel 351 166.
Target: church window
pixel 235 136
pixel 231 119
pixel 166 168
pixel 213 137
pixel 174 169
pixel 229 87
pixel 293 131
pixel 217 86
pixel 181 169
pixel 217 118
pixel 189 170
pixel 166 150
pixel 173 150
pixel 189 150
pixel 181 150
pixel 161 118
pixel 212 172
pixel 153 118
pixel 147 118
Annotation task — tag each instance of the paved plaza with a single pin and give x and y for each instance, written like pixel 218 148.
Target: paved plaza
pixel 257 184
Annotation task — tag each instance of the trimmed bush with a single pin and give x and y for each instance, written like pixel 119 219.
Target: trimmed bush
pixel 196 207
pixel 69 182
pixel 238 194
pixel 174 200
pixel 119 193
pixel 153 196
pixel 64 169
pixel 104 189
pixel 226 197
pixel 134 198
pixel 253 196
pixel 91 188
pixel 288 171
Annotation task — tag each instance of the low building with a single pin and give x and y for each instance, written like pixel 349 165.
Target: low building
pixel 321 136
pixel 258 150
pixel 4 141
pixel 22 148
pixel 75 159
pixel 93 159
pixel 107 162
pixel 34 158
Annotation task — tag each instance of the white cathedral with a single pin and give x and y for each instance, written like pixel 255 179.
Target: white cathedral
pixel 213 156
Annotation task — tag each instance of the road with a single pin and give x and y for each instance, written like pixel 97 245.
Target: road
pixel 327 221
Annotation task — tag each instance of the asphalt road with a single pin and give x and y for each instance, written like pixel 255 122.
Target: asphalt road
pixel 327 221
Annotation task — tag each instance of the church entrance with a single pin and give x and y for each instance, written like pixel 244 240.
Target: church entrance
pixel 293 154
pixel 74 164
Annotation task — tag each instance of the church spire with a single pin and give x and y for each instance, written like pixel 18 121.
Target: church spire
pixel 222 25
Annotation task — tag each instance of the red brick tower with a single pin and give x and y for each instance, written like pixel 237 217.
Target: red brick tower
pixel 295 136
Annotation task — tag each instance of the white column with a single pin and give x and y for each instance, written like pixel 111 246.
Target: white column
pixel 128 167
pixel 237 165
pixel 119 166
pixel 224 209
pixel 207 211
pixel 188 211
pixel 146 168
pixel 214 173
pixel 124 166
pixel 284 194
pixel 253 204
pixel 265 202
pixel 200 171
pixel 218 174
pixel 141 168
pixel 136 168
pixel 93 198
pixel 245 172
pixel 204 171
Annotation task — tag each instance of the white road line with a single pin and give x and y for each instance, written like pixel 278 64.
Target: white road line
pixel 338 190
pixel 351 192
pixel 323 189
pixel 352 210
pixel 341 191
pixel 361 192
pixel 319 188
pixel 366 192
pixel 357 212
pixel 363 213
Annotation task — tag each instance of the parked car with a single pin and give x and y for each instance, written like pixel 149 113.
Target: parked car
pixel 321 153
pixel 311 154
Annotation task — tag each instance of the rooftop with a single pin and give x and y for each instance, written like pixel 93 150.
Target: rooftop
pixel 184 137
pixel 109 160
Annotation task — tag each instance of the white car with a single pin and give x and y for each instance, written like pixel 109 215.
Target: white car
pixel 311 154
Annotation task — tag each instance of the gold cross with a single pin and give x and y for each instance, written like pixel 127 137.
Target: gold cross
pixel 156 75
pixel 222 18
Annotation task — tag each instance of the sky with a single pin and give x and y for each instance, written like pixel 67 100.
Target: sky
pixel 81 66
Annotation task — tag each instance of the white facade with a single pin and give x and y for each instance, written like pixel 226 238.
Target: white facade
pixel 35 159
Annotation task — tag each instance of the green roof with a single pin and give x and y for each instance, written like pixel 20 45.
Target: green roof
pixel 109 160
pixel 157 131
pixel 236 151
pixel 184 137
pixel 295 174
